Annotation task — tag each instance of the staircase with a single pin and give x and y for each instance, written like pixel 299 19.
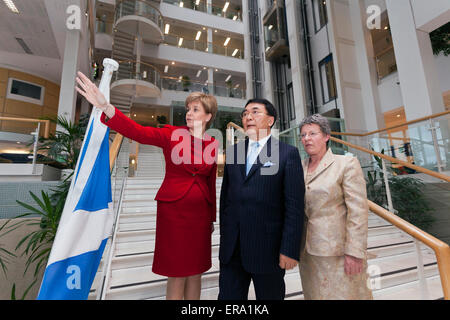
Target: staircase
pixel 122 50
pixel 392 253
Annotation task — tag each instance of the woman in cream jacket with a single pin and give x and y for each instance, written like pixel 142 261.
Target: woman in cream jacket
pixel 333 259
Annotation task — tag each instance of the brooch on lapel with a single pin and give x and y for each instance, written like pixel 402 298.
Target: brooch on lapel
pixel 268 164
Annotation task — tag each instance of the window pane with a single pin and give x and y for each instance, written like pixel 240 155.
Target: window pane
pixel 26 89
pixel 328 79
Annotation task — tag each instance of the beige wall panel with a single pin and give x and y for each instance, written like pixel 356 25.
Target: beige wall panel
pixel 17 126
pixel 26 77
pixel 23 109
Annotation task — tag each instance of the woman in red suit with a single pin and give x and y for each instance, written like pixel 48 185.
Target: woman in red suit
pixel 186 201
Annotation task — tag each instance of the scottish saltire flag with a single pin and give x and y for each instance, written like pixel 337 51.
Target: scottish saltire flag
pixel 87 219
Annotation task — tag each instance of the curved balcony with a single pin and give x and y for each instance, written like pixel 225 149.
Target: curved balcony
pixel 138 17
pixel 138 79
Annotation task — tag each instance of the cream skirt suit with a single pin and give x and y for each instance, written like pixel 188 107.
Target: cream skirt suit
pixel 336 223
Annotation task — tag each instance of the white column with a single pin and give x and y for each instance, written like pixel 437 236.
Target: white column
pixel 67 94
pixel 267 86
pixel 247 50
pixel 367 71
pixel 209 6
pixel 419 82
pixel 296 55
pixel 211 80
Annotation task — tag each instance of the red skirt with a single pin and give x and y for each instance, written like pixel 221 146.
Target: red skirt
pixel 183 236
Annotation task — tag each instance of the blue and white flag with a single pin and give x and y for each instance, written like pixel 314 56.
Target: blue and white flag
pixel 87 218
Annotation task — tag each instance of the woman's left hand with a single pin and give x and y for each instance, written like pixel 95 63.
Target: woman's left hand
pixel 352 265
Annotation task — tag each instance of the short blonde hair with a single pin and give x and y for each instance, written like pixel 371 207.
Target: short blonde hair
pixel 208 101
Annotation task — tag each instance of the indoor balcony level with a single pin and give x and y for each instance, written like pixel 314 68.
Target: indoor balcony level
pixel 225 9
pixel 137 79
pixel 275 32
pixel 140 17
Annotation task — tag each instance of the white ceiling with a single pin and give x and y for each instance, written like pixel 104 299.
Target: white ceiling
pixel 42 26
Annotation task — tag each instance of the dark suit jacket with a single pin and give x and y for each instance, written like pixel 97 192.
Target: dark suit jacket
pixel 264 209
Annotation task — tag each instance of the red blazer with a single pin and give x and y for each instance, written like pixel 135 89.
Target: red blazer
pixel 188 159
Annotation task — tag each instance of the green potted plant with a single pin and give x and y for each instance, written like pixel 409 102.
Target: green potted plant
pixel 407 195
pixel 63 148
pixel 229 84
pixel 186 82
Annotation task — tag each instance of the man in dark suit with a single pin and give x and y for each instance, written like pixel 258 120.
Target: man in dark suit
pixel 261 210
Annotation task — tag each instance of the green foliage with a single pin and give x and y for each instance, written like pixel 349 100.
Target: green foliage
pixel 64 146
pixel 37 244
pixel 406 193
pixel 161 119
pixel 440 40
pixel 5 255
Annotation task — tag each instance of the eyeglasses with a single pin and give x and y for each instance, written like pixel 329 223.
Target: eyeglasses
pixel 311 134
pixel 254 113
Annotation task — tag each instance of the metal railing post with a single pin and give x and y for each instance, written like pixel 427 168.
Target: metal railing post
pixel 386 183
pixel 424 293
pixel 437 151
pixel 36 141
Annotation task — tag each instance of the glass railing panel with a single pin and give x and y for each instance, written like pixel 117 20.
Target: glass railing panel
pixel 203 46
pixel 138 8
pixel 104 27
pixel 425 144
pixel 138 71
pixel 191 86
pixel 201 6
pixel 386 63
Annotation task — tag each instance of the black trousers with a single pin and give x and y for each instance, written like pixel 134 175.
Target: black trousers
pixel 234 281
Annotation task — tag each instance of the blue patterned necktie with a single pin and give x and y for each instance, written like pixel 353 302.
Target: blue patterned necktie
pixel 252 155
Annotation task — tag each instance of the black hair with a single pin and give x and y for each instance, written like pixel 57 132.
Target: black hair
pixel 270 109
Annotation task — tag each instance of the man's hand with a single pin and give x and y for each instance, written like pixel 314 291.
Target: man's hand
pixel 287 263
pixel 352 265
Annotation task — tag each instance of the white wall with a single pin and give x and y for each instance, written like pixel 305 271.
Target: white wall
pixel 430 15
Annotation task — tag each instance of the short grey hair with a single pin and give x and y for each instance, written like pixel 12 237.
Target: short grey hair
pixel 318 119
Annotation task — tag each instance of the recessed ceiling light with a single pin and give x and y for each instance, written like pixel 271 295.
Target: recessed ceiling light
pixel 173 62
pixel 180 42
pixel 167 28
pixel 226 41
pixel 235 52
pixel 225 7
pixel 11 6
pixel 199 34
pixel 270 27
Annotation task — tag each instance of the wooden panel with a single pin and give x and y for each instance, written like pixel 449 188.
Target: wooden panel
pixel 446 96
pixel 51 101
pixel 52 88
pixel 17 126
pixel 2 105
pixel 3 75
pixel 49 112
pixel 26 77
pixel 23 109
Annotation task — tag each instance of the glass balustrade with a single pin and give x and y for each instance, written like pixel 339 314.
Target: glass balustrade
pixel 138 71
pixel 138 8
pixel 176 84
pixel 386 63
pixel 425 144
pixel 233 13
pixel 203 46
